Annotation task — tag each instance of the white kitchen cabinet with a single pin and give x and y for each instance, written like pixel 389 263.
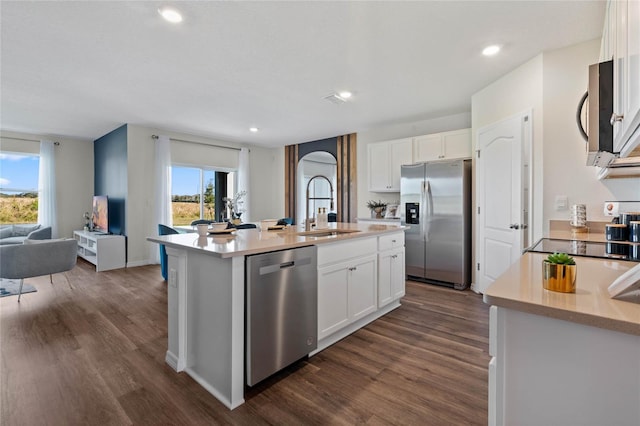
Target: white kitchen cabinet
pixel 385 160
pixel 608 42
pixel 333 312
pixel 347 283
pixel 623 34
pixel 391 271
pixel 547 371
pixel 105 251
pixel 391 277
pixel 347 291
pixel 443 146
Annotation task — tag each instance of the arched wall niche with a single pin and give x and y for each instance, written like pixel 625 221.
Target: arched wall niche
pixel 343 149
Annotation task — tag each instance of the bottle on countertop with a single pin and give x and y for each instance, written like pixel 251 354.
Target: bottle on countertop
pixel 322 220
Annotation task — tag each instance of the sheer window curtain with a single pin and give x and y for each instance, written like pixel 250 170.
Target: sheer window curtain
pixel 243 182
pixel 47 211
pixel 162 207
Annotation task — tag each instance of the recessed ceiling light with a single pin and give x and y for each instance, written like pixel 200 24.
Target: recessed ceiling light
pixel 170 15
pixel 345 95
pixel 253 129
pixel 491 50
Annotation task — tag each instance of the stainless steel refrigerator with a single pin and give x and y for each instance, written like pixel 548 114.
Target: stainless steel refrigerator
pixel 435 206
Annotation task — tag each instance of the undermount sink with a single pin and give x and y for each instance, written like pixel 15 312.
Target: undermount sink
pixel 326 232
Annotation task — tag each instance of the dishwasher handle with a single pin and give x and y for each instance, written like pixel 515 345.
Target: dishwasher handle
pixel 287 264
pixel 277 267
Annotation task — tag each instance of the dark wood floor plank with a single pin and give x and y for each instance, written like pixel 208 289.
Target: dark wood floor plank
pixel 90 349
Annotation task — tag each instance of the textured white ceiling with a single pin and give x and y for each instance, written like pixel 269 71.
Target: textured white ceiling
pixel 81 69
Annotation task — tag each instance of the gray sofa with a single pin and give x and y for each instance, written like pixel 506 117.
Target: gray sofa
pixel 16 234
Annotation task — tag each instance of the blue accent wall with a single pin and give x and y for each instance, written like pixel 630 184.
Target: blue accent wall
pixel 329 145
pixel 110 175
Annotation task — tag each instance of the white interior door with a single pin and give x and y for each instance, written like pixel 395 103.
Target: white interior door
pixel 501 194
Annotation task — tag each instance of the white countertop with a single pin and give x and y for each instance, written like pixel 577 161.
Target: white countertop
pixel 252 241
pixel 520 288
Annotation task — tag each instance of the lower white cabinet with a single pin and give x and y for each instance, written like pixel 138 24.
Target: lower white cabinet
pixel 356 278
pixel 347 291
pixel 391 276
pixel 105 251
pixel 547 371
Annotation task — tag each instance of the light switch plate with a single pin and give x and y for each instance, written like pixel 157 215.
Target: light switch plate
pixel 562 202
pixel 173 278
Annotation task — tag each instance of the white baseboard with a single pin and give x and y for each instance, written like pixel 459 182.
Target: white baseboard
pixel 172 360
pixel 213 391
pixel 140 263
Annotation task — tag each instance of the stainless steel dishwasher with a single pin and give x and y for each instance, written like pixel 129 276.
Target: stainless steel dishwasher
pixel 281 310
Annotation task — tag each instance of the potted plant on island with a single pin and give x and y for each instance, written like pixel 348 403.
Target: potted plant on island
pixel 559 273
pixel 377 208
pixel 235 206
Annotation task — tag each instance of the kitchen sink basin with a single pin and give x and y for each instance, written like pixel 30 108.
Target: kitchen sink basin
pixel 326 232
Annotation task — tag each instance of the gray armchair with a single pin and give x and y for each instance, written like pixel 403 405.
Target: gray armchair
pixel 20 261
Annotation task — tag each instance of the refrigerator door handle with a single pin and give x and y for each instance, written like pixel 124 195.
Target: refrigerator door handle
pixel 429 199
pixel 424 211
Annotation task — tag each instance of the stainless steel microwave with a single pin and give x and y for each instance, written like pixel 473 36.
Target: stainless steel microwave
pixel 600 94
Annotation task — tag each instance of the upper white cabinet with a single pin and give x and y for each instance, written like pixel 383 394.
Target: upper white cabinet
pixel 385 159
pixel 621 41
pixel 443 146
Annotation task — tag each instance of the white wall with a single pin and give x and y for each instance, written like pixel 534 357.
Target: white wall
pixel 397 131
pixel 267 183
pixel 74 175
pixel 565 173
pixel 265 196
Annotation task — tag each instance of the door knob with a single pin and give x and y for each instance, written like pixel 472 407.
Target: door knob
pixel 514 226
pixel 615 117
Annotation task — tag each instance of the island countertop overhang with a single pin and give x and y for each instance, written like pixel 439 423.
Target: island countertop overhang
pixel 253 241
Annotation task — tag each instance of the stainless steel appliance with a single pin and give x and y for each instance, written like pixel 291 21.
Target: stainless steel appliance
pixel 281 310
pixel 600 115
pixel 435 205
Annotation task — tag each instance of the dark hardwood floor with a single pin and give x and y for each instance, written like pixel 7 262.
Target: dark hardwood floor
pixel 89 350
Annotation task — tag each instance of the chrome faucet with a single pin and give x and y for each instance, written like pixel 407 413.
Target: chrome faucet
pixel 307 222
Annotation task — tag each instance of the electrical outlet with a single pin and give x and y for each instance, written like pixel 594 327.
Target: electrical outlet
pixel 173 278
pixel 562 202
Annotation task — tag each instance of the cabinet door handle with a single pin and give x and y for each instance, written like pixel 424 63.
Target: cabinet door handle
pixel 615 117
pixel 393 241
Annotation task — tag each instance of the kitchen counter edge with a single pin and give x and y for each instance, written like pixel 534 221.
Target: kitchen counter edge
pixel 250 241
pixel 520 288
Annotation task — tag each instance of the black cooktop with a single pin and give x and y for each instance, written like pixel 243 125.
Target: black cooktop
pixel 609 250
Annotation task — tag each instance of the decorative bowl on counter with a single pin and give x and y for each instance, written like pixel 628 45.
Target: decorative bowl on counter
pixel 218 226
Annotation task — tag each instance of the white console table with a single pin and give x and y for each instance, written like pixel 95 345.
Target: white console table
pixel 105 251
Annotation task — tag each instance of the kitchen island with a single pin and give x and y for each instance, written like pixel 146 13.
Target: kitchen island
pixel 360 278
pixel 563 358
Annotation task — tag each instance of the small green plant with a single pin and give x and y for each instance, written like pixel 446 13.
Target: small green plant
pixel 376 204
pixel 561 259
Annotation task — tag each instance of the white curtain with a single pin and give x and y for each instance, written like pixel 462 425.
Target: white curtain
pixel 243 182
pixel 47 188
pixel 162 213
